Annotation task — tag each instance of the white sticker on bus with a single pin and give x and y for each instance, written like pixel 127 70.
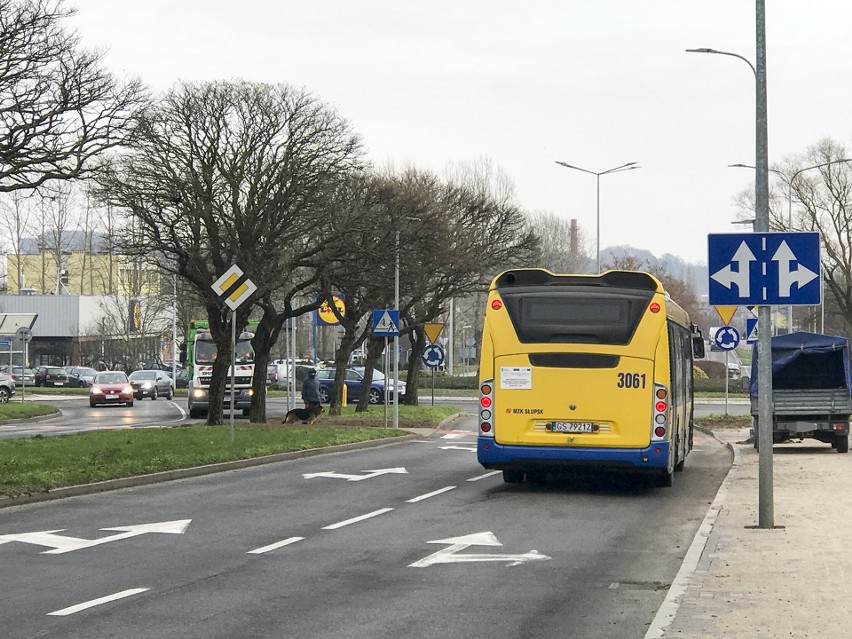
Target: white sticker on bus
pixel 516 377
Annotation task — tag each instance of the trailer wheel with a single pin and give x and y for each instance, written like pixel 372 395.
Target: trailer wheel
pixel 842 442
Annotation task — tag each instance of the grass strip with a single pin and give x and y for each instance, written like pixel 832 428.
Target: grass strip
pixel 40 463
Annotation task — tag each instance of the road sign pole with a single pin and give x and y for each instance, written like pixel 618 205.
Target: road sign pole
pixel 387 371
pixel 233 370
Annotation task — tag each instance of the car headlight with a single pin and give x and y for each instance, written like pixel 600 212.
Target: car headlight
pixel 96 390
pixel 198 393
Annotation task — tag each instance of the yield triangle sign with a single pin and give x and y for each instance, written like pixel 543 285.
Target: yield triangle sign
pixel 726 313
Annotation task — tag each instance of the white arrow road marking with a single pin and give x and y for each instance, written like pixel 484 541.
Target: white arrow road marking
pixel 370 474
pixel 62 543
pixel 97 602
pixel 467 448
pixel 786 276
pixel 450 554
pixel 727 277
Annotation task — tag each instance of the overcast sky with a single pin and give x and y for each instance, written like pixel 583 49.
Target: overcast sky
pixel 594 83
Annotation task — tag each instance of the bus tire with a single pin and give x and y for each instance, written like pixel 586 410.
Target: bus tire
pixel 842 442
pixel 665 479
pixel 679 466
pixel 513 476
pixel 537 477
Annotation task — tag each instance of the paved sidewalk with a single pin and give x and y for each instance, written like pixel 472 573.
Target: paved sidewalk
pixel 791 581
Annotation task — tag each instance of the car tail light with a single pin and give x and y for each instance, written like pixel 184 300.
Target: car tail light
pixel 839 425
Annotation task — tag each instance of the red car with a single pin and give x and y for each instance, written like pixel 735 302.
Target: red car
pixel 111 387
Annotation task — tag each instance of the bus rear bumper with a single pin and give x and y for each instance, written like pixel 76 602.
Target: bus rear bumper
pixel 499 456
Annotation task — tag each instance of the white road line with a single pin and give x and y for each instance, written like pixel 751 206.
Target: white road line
pixel 97 602
pixel 491 474
pixel 428 495
pixel 355 520
pixel 276 545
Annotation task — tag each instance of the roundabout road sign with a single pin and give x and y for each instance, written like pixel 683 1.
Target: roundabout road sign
pixel 727 338
pixel 433 356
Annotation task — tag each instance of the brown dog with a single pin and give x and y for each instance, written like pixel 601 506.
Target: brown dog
pixel 304 415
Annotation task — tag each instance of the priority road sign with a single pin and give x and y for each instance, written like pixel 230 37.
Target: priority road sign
pixel 386 322
pixel 764 269
pixel 234 287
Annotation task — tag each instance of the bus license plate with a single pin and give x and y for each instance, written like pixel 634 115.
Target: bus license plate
pixel 573 427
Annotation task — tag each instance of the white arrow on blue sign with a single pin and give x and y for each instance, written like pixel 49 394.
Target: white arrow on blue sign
pixel 433 356
pixel 764 269
pixel 727 338
pixel 386 323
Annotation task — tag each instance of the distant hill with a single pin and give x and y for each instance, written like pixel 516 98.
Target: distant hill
pixel 694 274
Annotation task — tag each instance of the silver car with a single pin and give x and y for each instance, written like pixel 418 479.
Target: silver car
pixel 151 383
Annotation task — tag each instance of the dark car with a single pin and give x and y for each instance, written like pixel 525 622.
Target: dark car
pixel 354 381
pixel 111 387
pixel 182 379
pixel 151 383
pixel 23 376
pixel 51 376
pixel 80 376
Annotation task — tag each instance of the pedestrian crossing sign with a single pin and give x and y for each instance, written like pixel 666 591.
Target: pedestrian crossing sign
pixel 385 323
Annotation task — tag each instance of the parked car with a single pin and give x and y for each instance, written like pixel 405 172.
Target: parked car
pixel 22 376
pixel 354 381
pixel 182 379
pixel 80 376
pixel 151 383
pixel 272 374
pixel 7 387
pixel 111 387
pixel 50 376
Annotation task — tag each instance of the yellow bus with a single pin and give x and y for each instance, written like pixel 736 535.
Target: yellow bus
pixel 591 370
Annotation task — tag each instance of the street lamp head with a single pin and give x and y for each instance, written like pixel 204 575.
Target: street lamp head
pixel 701 50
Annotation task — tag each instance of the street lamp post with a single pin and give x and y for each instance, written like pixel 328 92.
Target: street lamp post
pixel 766 514
pixel 789 181
pixel 465 352
pixel 624 167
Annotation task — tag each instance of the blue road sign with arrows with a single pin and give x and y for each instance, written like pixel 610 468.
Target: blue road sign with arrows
pixel 727 338
pixel 764 269
pixel 433 356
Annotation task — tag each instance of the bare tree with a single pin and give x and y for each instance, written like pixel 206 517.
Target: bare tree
pixel 17 212
pixel 822 202
pixel 58 108
pixel 237 173
pixel 562 244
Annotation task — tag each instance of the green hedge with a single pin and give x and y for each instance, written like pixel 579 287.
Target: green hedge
pixel 715 385
pixel 448 381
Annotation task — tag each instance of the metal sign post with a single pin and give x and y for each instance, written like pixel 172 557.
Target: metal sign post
pixel 233 288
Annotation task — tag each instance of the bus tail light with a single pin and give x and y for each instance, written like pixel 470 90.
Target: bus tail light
pixel 486 408
pixel 660 413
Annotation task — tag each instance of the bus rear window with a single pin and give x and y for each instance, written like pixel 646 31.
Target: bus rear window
pixel 576 316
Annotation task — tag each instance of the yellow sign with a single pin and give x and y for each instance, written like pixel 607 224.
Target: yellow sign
pixel 432 331
pixel 326 316
pixel 726 313
pixel 234 287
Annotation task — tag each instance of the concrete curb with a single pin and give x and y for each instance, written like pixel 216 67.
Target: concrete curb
pixel 669 608
pixel 196 471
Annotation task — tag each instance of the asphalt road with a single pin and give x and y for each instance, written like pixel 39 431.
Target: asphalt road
pixel 411 539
